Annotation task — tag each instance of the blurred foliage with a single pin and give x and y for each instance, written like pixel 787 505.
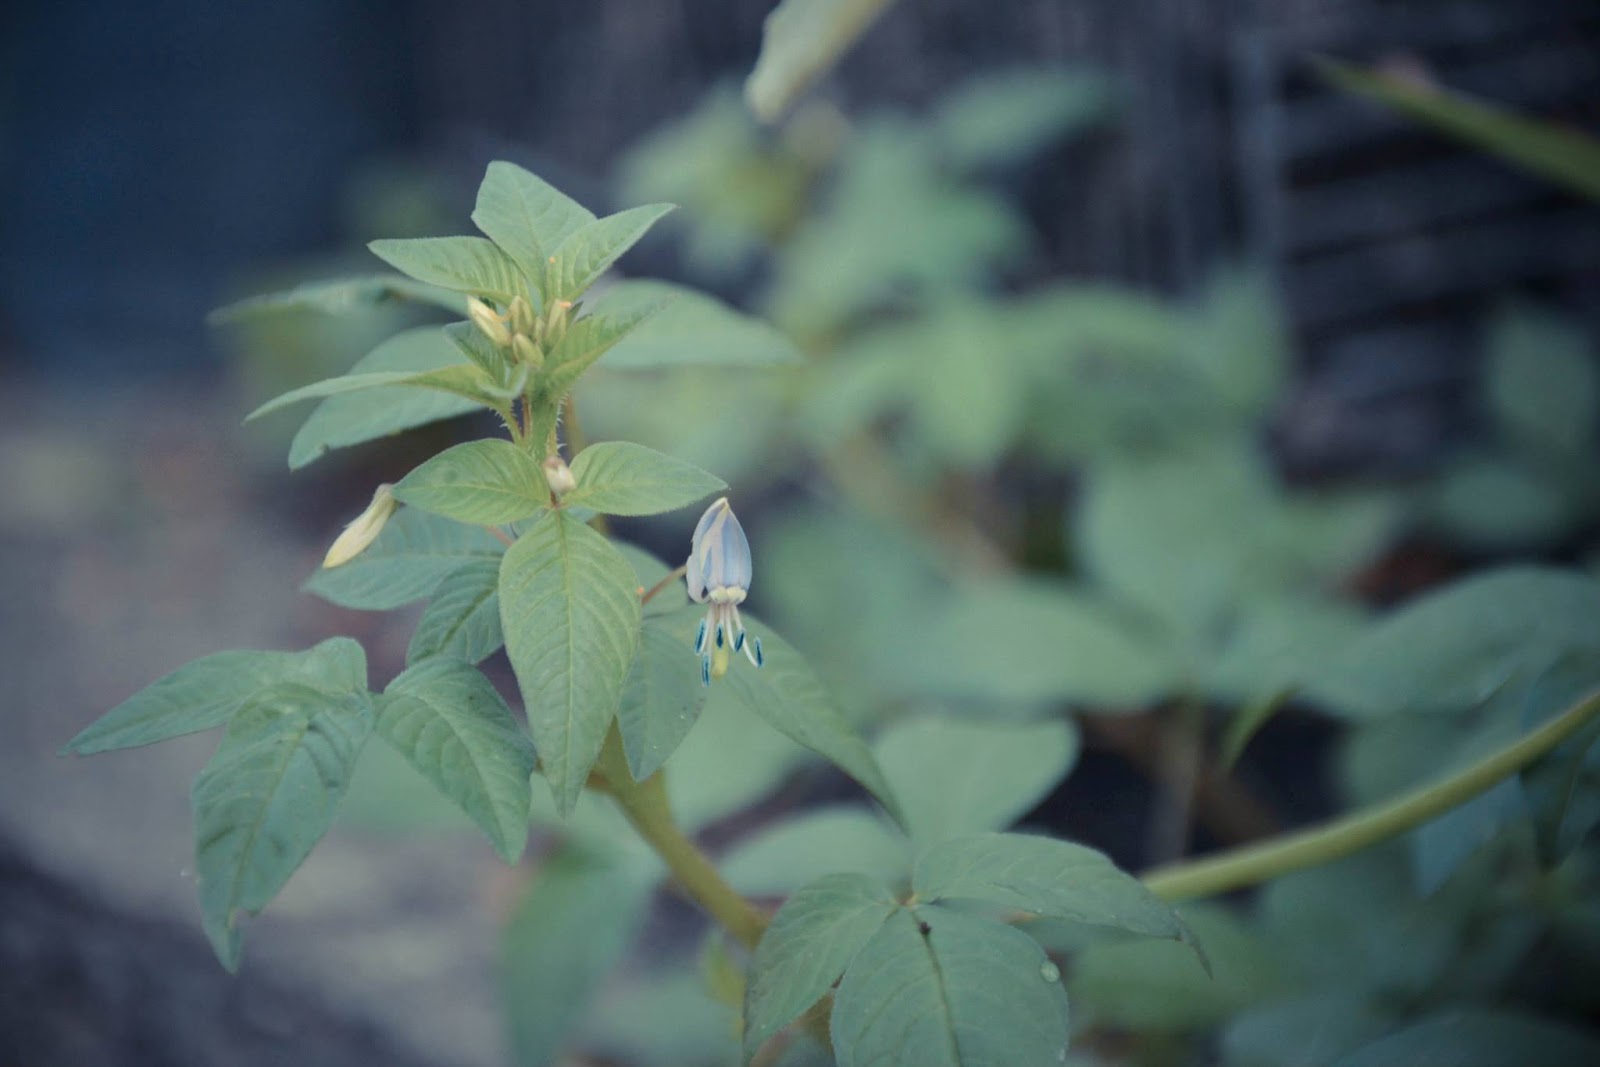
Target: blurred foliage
pixel 1031 505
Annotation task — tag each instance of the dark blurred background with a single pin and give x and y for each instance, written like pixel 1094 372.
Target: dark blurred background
pixel 159 158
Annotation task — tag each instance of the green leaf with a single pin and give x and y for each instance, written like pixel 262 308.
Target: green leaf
pixel 567 933
pixel 1045 877
pixel 955 777
pixel 799 41
pixel 585 254
pixel 462 619
pixel 590 337
pixel 206 693
pixel 787 854
pixel 1565 156
pixel 463 379
pixel 810 943
pixel 690 329
pixel 569 608
pixel 661 699
pixel 1479 1038
pixel 335 296
pixel 267 797
pixel 997 119
pixel 1015 642
pixel 1179 536
pixel 938 988
pixel 729 761
pixel 1161 986
pixel 414 553
pixel 1302 1031
pixel 1499 501
pixel 489 482
pixel 622 478
pixel 787 693
pixel 464 264
pixel 526 216
pixel 1543 384
pixel 450 724
pixel 352 418
pixel 1451 649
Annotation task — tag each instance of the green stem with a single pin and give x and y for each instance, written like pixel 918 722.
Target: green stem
pixel 1339 838
pixel 645 805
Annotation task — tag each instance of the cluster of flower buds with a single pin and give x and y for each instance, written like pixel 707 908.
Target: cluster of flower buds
pixel 518 330
pixel 718 573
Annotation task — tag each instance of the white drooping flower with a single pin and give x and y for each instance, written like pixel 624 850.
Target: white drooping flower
pixel 718 574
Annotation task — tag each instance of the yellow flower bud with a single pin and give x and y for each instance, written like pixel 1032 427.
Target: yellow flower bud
pixel 559 476
pixel 521 315
pixel 364 530
pixel 488 320
pixel 526 351
pixel 555 323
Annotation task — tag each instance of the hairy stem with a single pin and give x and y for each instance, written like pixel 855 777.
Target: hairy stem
pixel 645 805
pixel 672 576
pixel 1334 840
pixel 576 442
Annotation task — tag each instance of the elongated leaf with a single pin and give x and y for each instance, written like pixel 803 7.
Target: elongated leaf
pixel 463 379
pixel 661 700
pixel 690 329
pixel 938 988
pixel 1555 153
pixel 567 933
pixel 462 620
pixel 570 612
pixel 206 693
pixel 784 856
pixel 1480 1038
pixel 956 777
pixel 450 724
pixel 1048 878
pixel 464 264
pixel 336 296
pixel 526 216
pixel 352 418
pixel 267 797
pixel 788 694
pixel 413 554
pixel 810 943
pixel 1543 385
pixel 1162 987
pixel 1451 649
pixel 800 40
pixel 490 482
pixel 1029 642
pixel 622 478
pixel 590 337
pixel 997 119
pixel 586 253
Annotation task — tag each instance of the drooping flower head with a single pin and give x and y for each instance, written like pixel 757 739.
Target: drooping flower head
pixel 718 574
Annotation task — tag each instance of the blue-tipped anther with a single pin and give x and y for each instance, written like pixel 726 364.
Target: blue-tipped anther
pixel 738 641
pixel 705 671
pixel 760 658
pixel 700 639
pixel 719 635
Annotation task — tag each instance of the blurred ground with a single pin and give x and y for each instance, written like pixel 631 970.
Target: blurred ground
pixel 132 539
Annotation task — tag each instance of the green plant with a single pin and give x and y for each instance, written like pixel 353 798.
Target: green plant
pixel 957 655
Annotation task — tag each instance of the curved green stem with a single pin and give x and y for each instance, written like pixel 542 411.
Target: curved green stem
pixel 645 805
pixel 1253 864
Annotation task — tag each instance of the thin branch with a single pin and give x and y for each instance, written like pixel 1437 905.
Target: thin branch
pixel 672 576
pixel 1338 838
